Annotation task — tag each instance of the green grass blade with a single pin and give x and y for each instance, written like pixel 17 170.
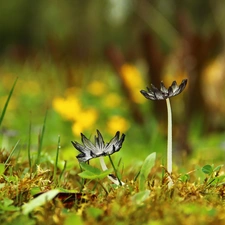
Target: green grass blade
pixel 28 146
pixel 40 139
pixel 115 170
pixel 2 168
pixel 56 161
pixel 7 102
pixel 62 172
pixel 13 150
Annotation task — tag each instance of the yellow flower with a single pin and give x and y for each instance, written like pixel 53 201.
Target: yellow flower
pixel 117 123
pixel 68 107
pixel 77 128
pixel 112 100
pixel 133 80
pixel 13 103
pixel 213 75
pixel 71 109
pixel 86 120
pixel 29 87
pixel 97 88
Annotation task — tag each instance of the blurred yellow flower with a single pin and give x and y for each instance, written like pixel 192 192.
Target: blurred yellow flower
pixel 87 119
pixel 133 79
pixel 213 75
pixel 112 100
pixel 29 87
pixel 214 71
pixel 77 128
pixel 178 75
pixel 97 88
pixel 68 107
pixel 117 123
pixel 13 103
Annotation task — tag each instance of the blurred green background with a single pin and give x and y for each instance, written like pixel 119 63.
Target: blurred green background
pixel 85 62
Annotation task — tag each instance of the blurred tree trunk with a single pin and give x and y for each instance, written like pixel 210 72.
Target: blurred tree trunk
pixel 196 51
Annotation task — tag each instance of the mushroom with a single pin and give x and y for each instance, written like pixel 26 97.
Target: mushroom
pixel 99 149
pixel 165 94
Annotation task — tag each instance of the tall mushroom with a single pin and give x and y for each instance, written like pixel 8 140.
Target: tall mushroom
pixel 165 94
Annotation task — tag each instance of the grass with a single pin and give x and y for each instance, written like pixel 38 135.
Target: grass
pixel 42 182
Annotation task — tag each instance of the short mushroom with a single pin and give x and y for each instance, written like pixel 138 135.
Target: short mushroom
pixel 99 149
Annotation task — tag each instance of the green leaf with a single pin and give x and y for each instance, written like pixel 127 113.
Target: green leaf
pixel 145 170
pixel 207 169
pixel 73 219
pixel 93 173
pixel 39 201
pixel 21 220
pixel 184 178
pixel 92 176
pixel 11 179
pixel 220 179
pixel 94 212
pixel 7 205
pixel 90 168
pixel 217 168
pixel 140 197
pixel 7 202
pixel 35 190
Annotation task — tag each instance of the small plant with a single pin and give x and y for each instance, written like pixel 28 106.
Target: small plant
pixel 144 193
pixel 146 167
pixel 99 149
pixel 164 94
pixel 213 178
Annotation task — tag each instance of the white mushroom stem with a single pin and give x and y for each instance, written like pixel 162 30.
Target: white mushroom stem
pixel 169 142
pixel 102 162
pixel 104 168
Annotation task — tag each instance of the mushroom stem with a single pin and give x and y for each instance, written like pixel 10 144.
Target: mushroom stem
pixel 104 167
pixel 169 142
pixel 102 162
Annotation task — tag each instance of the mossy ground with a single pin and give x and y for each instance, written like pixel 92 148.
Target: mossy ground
pixel 190 201
pixel 31 171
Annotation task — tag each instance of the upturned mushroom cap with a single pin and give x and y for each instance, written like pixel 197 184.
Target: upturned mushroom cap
pixel 91 150
pixel 163 93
